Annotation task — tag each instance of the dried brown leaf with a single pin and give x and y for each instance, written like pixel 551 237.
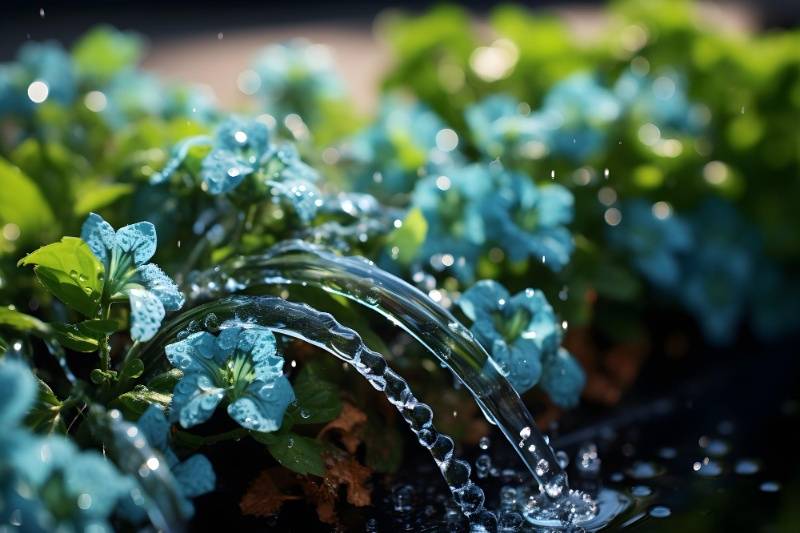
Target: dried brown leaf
pixel 348 424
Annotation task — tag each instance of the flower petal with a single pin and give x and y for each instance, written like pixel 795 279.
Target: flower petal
pixel 260 344
pixel 90 473
pixel 195 476
pixel 482 299
pixel 197 353
pixel 563 379
pixel 147 312
pixel 138 240
pixel 155 426
pixel 263 405
pixel 17 391
pixel 162 286
pixel 99 235
pixel 179 153
pixel 223 171
pixel 520 362
pixel 194 400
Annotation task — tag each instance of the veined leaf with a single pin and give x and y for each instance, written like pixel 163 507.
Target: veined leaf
pixel 70 271
pixel 299 454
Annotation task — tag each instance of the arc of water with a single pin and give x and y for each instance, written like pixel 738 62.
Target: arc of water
pixel 322 330
pixel 433 326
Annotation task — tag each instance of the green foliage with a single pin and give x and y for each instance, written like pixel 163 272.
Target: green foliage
pixel 407 239
pixel 297 453
pixel 23 204
pixel 104 51
pixel 317 400
pixel 70 271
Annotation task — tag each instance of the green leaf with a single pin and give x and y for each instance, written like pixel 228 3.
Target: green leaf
pixel 134 403
pixel 299 454
pixel 21 322
pixel 616 282
pixel 404 242
pixel 95 196
pixel 70 271
pixel 45 415
pixel 133 369
pixel 317 401
pixel 99 327
pixel 70 336
pixel 104 51
pixel 22 203
pixel 166 381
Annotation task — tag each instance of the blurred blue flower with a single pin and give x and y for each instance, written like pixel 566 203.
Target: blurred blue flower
pixel 239 365
pixel 719 270
pixel 294 77
pixel 500 129
pixel 452 204
pixel 128 275
pixel 776 303
pixel 529 220
pixel 47 484
pixel 661 100
pixel 406 141
pixel 522 334
pixel 652 244
pixel 132 94
pixel 195 475
pixel 578 111
pixel 43 72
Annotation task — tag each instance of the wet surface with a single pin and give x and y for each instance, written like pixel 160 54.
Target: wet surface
pixel 718 453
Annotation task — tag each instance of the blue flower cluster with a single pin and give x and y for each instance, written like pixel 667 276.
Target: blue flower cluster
pixel 241 365
pixel 714 262
pixel 47 483
pixel 473 208
pixel 294 77
pixel 128 275
pixel 522 334
pixel 243 150
pixel 406 141
pixel 100 73
pixel 576 116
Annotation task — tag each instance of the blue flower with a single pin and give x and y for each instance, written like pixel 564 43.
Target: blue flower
pixel 500 129
pixel 529 220
pixel 523 336
pixel 195 475
pixel 562 378
pixel 719 270
pixel 48 484
pixel 240 150
pixel 42 72
pixel 237 150
pixel 662 101
pixel 406 141
pixel 128 275
pixel 579 111
pixel 654 245
pixel 452 203
pixel 239 365
pixel 294 77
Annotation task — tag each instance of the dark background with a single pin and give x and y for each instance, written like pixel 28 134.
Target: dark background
pixel 65 20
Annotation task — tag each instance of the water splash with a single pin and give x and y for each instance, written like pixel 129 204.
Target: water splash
pixel 323 331
pixel 433 326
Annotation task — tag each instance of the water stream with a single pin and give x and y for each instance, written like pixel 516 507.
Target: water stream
pixel 322 330
pixel 358 279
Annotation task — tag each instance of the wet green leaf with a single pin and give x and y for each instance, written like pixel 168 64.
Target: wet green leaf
pixel 299 454
pixel 70 271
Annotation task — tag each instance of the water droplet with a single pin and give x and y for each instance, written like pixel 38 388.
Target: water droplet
pixel 484 443
pixel 746 467
pixel 770 486
pixel 641 491
pixel 562 458
pixel 660 511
